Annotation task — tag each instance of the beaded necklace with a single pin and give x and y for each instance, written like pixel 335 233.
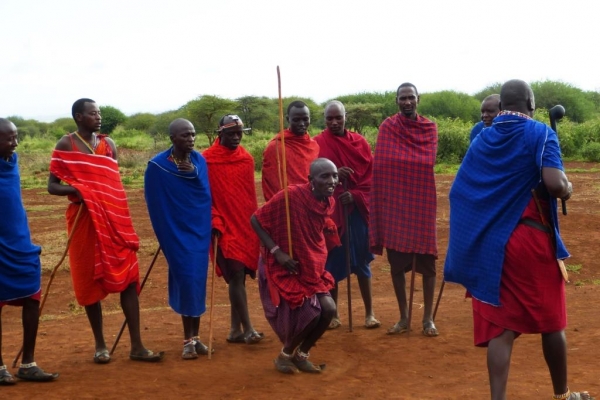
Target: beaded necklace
pixel 87 144
pixel 515 113
pixel 178 161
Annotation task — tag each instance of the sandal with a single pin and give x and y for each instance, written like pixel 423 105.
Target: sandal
pixel 398 328
pixel 189 350
pixel 283 363
pixel 31 372
pixel 580 396
pixel 6 378
pixel 254 337
pixel 372 323
pixel 334 324
pixel 147 356
pixel 201 348
pixel 301 362
pixel 429 329
pixel 102 357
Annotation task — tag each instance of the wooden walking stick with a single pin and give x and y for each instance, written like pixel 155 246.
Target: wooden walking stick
pixel 284 169
pixel 58 264
pixel 437 303
pixel 114 346
pixel 348 262
pixel 412 291
pixel 212 298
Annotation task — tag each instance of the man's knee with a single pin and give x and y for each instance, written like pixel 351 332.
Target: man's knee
pixel 328 308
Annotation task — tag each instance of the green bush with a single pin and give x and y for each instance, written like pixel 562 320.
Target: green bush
pixel 591 152
pixel 453 140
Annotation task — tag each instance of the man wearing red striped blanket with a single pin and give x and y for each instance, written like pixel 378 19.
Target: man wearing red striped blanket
pixel 102 254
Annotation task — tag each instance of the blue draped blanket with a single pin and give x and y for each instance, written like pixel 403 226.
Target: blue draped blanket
pixel 179 204
pixel 20 268
pixel 491 190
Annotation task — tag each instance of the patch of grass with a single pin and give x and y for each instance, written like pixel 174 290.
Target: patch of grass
pixel 595 281
pixel 581 170
pixel 43 208
pixel 446 169
pixel 574 268
pixel 75 308
pixel 579 283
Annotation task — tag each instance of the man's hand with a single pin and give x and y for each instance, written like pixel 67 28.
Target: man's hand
pixel 185 166
pixel 344 173
pixel 569 192
pixel 346 198
pixel 286 261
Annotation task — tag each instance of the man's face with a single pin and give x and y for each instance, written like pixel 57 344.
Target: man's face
pixel 8 140
pixel 325 180
pixel 335 120
pixel 407 100
pixel 299 120
pixel 184 137
pixel 90 119
pixel 231 137
pixel 489 111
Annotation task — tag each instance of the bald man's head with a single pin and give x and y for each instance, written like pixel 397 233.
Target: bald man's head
pixel 8 138
pixel 323 177
pixel 516 95
pixel 178 124
pixel 490 107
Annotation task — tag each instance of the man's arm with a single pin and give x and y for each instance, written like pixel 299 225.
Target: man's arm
pixel 113 146
pixel 557 183
pixel 282 258
pixel 55 187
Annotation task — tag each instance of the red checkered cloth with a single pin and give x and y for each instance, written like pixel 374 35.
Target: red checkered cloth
pixel 231 177
pixel 403 196
pixel 300 151
pixel 351 150
pixel 97 179
pixel 311 223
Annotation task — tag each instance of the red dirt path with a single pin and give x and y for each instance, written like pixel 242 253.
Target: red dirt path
pixel 365 364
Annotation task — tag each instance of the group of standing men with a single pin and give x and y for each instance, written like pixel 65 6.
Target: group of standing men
pixel 337 188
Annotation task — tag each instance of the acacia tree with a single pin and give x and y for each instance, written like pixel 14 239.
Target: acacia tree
pixel 111 118
pixel 205 111
pixel 361 115
pixel 256 112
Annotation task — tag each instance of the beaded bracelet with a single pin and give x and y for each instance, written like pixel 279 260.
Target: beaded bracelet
pixel 274 249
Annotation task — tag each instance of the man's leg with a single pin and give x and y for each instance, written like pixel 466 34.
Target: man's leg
pixel 94 314
pixel 429 328
pixel 399 281
pixel 554 346
pixel 335 321
pixel 328 311
pixel 30 314
pixel 498 361
pixel 131 308
pixel 239 304
pixel 364 283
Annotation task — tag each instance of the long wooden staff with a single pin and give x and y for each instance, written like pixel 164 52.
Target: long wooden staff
pixel 348 262
pixel 47 291
pixel 212 299
pixel 114 346
pixel 284 177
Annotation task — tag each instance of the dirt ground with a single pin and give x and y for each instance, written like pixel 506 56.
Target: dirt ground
pixel 363 364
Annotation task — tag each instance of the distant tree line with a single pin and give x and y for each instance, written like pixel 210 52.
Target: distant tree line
pixel 455 113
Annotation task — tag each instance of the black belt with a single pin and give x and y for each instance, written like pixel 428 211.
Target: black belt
pixel 534 224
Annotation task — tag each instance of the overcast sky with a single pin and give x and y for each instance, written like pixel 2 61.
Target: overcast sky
pixel 154 56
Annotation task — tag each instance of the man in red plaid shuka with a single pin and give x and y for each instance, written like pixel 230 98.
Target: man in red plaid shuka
pixel 295 292
pixel 403 201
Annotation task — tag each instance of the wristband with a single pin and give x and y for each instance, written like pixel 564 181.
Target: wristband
pixel 274 249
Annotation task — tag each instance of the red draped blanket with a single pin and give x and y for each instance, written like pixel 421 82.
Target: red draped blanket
pixel 231 178
pixel 300 151
pixel 403 196
pixel 97 179
pixel 351 150
pixel 311 223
